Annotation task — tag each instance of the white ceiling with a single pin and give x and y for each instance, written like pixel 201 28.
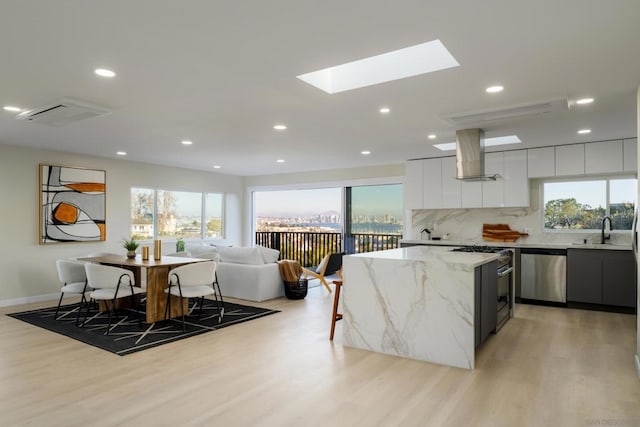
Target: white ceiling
pixel 222 73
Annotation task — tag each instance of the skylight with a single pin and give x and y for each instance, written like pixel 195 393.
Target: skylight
pixel 411 61
pixel 488 142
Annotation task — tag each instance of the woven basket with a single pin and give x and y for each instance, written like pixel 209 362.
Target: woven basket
pixel 296 289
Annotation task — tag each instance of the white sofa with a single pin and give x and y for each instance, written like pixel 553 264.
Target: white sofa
pixel 246 273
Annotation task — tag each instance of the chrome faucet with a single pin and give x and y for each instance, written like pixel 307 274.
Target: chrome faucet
pixel 602 236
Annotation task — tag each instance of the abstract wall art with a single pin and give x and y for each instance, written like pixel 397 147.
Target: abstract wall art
pixel 72 203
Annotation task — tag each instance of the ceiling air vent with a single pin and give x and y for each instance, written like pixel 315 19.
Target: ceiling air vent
pixel 477 118
pixel 62 113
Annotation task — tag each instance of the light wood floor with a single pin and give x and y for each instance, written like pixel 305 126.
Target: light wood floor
pixel 546 367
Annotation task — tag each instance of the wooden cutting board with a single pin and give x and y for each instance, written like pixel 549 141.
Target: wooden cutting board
pixel 500 233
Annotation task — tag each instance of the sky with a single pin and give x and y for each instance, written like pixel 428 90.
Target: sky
pixel 297 202
pixel 592 192
pixel 367 200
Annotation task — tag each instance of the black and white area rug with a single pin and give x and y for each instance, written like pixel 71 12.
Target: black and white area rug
pixel 128 335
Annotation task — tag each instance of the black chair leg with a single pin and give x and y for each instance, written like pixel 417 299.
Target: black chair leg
pixel 55 317
pixel 201 305
pixel 184 328
pixel 220 302
pixel 167 306
pixel 86 313
pixel 111 312
pixel 135 303
pixel 83 300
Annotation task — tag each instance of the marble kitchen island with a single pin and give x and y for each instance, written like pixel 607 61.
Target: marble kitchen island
pixel 416 302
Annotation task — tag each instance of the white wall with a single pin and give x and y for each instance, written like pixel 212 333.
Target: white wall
pixel 28 269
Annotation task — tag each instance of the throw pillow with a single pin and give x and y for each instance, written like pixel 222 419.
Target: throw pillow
pixel 240 255
pixel 268 255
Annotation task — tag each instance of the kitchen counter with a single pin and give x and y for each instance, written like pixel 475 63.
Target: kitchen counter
pixel 521 244
pixel 415 302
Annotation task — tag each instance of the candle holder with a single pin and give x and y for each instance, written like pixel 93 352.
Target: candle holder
pixel 157 249
pixel 145 253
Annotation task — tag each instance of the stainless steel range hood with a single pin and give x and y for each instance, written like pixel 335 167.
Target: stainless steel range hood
pixel 470 156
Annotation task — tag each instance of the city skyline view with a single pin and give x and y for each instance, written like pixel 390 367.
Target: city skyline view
pixel 375 209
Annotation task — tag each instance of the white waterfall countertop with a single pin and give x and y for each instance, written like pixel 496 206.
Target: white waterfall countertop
pixel 415 302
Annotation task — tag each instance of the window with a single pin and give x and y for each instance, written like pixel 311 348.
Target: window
pixel 213 215
pixel 581 205
pixel 374 214
pixel 376 209
pixel 161 214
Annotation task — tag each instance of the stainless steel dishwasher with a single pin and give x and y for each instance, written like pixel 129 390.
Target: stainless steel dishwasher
pixel 543 274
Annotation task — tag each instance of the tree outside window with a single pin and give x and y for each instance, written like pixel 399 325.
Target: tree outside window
pixel 581 205
pixel 161 214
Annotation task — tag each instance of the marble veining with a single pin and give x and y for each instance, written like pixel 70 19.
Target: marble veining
pixel 414 302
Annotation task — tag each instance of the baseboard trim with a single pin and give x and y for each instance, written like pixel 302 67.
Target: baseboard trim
pixel 29 300
pixel 637 365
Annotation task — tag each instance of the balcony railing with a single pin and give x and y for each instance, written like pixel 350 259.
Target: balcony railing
pixel 309 248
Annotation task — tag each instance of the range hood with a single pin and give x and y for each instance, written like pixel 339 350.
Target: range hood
pixel 470 156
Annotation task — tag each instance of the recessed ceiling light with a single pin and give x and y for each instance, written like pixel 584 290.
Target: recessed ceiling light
pixel 583 101
pixel 494 89
pixel 103 72
pixel 121 153
pixel 280 161
pixel 186 142
pixel 407 62
pixel 385 110
pixel 584 131
pixel 280 127
pixel 432 136
pixel 365 152
pixel 12 108
pixel 217 166
pixel 488 142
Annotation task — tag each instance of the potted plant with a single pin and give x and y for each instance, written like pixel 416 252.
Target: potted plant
pixel 130 245
pixel 180 244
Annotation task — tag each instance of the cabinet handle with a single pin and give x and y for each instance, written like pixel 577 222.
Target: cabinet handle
pixel 503 273
pixel 634 233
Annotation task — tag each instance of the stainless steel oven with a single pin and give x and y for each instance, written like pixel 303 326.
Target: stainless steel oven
pixel 505 279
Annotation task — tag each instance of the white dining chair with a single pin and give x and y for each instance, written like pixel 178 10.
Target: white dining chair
pixel 110 284
pixel 192 281
pixel 74 279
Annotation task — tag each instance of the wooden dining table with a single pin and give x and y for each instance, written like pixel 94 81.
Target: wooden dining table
pixel 157 274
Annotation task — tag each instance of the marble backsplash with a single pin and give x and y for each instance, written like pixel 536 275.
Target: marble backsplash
pixel 466 224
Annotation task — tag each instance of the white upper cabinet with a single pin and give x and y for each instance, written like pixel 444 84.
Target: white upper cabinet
pixel 471 194
pixel 413 187
pixel 450 185
pixel 570 160
pixel 603 157
pixel 432 183
pixel 541 162
pixel 493 191
pixel 516 181
pixel 630 151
